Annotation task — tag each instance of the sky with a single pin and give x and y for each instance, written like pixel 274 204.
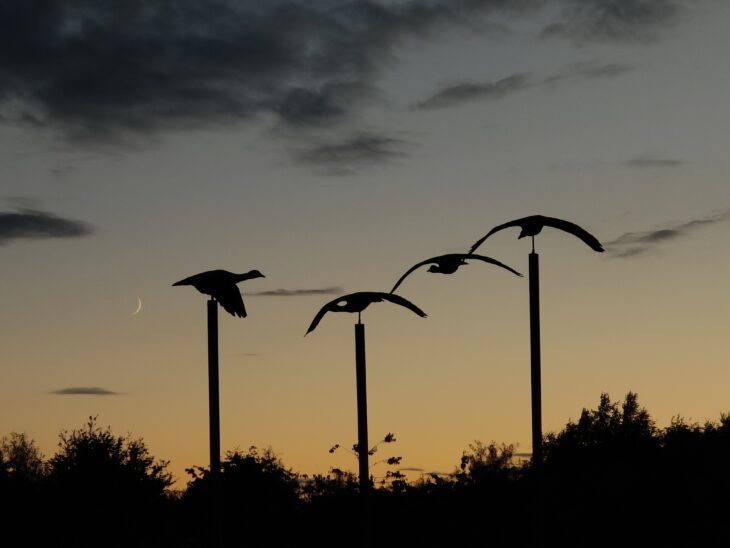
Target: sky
pixel 331 145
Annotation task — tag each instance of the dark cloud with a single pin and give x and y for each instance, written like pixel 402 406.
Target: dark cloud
pixel 104 74
pixel 654 161
pixel 105 70
pixel 114 71
pixel 584 21
pixel 482 91
pixel 85 391
pixel 633 244
pixel 345 155
pixel 298 292
pixel 471 91
pixel 34 224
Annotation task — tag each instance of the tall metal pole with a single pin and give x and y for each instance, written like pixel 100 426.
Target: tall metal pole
pixel 362 435
pixel 362 408
pixel 213 405
pixel 535 379
pixel 214 418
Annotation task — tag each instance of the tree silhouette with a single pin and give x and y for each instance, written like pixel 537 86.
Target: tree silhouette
pixel 694 475
pixel 112 481
pixel 613 478
pixel 20 457
pixel 259 500
pixel 22 472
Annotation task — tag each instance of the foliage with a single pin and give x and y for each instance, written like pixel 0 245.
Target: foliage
pixel 612 478
pixel 392 478
pixel 93 459
pixel 615 472
pixel 20 457
pixel 22 472
pixel 112 481
pixel 483 463
pixel 254 493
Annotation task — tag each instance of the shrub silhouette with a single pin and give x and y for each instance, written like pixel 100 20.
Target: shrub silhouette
pixel 22 471
pixel 694 476
pixel 259 500
pixel 613 478
pixel 20 458
pixel 105 489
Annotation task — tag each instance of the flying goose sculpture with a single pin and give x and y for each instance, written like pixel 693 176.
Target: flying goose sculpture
pixel 532 225
pixel 448 264
pixel 357 302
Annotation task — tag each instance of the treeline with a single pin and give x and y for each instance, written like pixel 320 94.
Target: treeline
pixel 613 478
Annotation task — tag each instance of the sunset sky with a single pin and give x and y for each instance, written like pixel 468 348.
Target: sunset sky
pixel 332 145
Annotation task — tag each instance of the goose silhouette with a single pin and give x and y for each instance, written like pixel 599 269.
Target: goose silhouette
pixel 448 264
pixel 357 302
pixel 221 285
pixel 532 225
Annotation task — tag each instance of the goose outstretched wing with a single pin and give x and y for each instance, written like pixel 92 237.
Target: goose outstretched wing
pixel 397 299
pixel 322 311
pixel 516 222
pixel 492 261
pixel 414 267
pixel 572 228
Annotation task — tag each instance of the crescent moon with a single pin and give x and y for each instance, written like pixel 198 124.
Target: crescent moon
pixel 139 307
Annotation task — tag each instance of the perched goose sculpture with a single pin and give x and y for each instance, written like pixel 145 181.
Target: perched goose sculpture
pixel 221 285
pixel 448 264
pixel 532 225
pixel 357 302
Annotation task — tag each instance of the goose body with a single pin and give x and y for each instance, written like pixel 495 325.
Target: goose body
pixel 221 285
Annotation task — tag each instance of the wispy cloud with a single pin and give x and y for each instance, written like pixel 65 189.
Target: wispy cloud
pixel 346 155
pixel 586 71
pixel 84 391
pixel 653 160
pixel 463 92
pixel 633 244
pixel 472 91
pixel 334 290
pixel 584 21
pixel 33 224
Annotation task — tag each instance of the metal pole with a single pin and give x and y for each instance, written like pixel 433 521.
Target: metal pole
pixel 535 379
pixel 214 418
pixel 362 408
pixel 362 436
pixel 213 405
